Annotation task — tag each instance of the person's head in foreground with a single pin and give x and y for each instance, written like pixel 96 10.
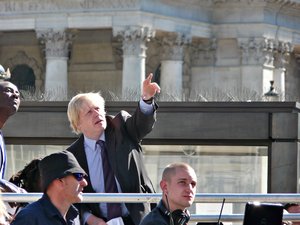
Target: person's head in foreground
pixel 62 175
pixel 62 181
pixel 178 185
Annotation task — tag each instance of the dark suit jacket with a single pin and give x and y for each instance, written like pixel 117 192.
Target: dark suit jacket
pixel 123 136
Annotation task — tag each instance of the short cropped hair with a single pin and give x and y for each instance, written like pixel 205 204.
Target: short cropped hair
pixel 171 170
pixel 76 103
pixel 288 205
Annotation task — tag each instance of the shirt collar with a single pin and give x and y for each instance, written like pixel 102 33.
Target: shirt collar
pixel 53 211
pixel 92 143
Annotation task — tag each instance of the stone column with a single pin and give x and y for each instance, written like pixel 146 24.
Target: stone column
pixel 134 56
pixel 257 58
pixel 171 65
pixel 281 59
pixel 56 44
pixel 203 54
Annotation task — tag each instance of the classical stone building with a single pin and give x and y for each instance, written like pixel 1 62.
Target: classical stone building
pixel 194 47
pixel 198 50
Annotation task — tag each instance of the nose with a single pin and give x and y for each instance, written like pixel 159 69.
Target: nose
pixel 95 112
pixel 190 188
pixel 16 94
pixel 83 182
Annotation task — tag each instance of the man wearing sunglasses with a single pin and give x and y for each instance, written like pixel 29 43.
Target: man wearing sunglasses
pixel 62 181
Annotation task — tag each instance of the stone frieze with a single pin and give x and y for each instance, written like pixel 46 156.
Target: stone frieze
pixel 36 6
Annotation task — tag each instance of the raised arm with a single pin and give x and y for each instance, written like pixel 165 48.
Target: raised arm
pixel 149 88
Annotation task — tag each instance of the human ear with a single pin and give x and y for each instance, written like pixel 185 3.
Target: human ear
pixel 164 186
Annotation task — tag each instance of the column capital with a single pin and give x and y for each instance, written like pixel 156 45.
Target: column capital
pixel 134 39
pixel 56 42
pixel 264 51
pixel 282 54
pixel 256 51
pixel 173 45
pixel 204 52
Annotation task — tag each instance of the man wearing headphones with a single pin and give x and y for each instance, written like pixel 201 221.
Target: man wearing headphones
pixel 178 185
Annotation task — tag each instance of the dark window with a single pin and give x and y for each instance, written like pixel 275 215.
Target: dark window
pixel 23 77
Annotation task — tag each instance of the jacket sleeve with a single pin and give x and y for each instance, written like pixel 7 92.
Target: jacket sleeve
pixel 139 124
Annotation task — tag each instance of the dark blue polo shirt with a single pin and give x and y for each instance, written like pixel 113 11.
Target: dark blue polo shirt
pixel 158 216
pixel 43 212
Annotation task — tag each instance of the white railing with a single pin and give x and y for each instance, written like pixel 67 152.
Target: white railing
pixel 200 198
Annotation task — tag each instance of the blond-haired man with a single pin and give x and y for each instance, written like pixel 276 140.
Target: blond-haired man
pixel 114 142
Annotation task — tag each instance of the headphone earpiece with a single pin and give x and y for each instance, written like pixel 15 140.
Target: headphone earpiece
pixel 180 217
pixel 177 217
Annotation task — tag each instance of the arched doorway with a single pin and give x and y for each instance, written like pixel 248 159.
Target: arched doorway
pixel 23 77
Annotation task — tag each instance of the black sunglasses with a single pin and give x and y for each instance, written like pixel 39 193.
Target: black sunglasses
pixel 78 176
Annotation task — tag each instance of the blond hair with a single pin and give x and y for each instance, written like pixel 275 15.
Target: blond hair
pixel 76 103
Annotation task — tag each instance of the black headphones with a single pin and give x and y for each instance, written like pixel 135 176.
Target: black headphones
pixel 177 217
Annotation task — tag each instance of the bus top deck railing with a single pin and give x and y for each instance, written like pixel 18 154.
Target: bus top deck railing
pixel 200 198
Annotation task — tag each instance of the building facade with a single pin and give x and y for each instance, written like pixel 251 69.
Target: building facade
pixel 195 48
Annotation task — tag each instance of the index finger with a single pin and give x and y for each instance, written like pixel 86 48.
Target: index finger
pixel 148 79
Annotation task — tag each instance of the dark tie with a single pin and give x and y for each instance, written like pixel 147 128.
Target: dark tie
pixel 113 209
